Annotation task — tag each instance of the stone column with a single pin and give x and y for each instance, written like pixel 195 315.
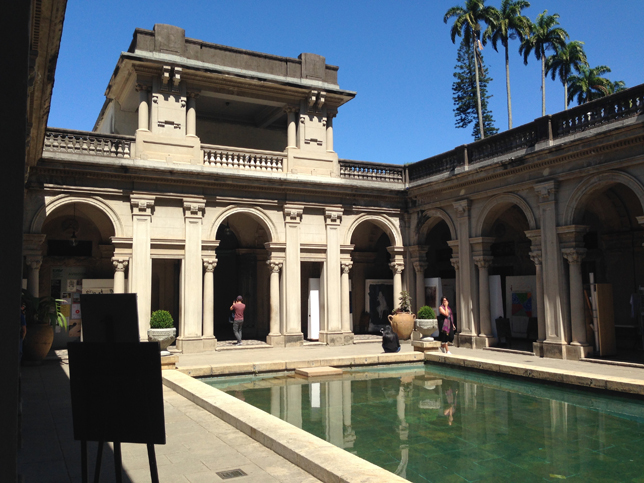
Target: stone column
pixel 467 297
pixel 484 262
pixel 120 264
pixel 346 306
pixel 553 282
pixel 191 338
pixel 578 321
pixel 349 433
pixel 397 268
pixel 191 115
pixel 455 263
pixel 535 256
pixel 209 339
pixel 419 268
pixel 33 277
pixel 292 220
pixel 330 114
pixel 331 332
pixel 141 263
pixel 275 267
pixel 291 131
pixel 144 107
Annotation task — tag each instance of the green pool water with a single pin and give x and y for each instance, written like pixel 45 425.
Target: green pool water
pixel 441 424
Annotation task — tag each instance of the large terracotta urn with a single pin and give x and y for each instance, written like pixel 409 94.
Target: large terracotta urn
pixel 402 324
pixel 37 342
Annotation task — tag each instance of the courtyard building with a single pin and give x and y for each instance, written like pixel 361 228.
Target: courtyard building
pixel 211 173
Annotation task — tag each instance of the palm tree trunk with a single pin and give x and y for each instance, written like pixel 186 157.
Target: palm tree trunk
pixel 543 84
pixel 566 95
pixel 507 86
pixel 478 89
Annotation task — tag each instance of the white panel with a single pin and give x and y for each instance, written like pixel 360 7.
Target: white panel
pixel 314 309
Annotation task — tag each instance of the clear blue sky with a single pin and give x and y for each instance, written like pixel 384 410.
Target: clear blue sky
pixel 396 54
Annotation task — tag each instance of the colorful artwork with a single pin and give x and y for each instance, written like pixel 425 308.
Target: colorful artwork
pixel 522 304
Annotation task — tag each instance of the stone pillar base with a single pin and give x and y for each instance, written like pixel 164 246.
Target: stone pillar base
pixel 576 352
pixel 348 338
pixel 554 350
pixel 293 340
pixel 276 340
pixel 189 345
pixel 481 341
pixel 209 343
pixel 332 338
pixel 537 348
pixel 465 340
pixel 422 346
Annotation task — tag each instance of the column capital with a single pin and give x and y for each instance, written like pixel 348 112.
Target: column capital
pixel 535 238
pixel 419 266
pixel 141 87
pixel 293 213
pixel 193 207
pixel 418 252
pixel 572 236
pixel 142 204
pixel 209 264
pixel 455 263
pixel 546 192
pixel 333 216
pixel 34 261
pixel 574 255
pixel 397 266
pixel 275 265
pixel 535 256
pixel 120 264
pixel 331 113
pixel 289 109
pixel 484 261
pixel 481 245
pixel 346 266
pixel 194 93
pixel 462 207
pixel 32 242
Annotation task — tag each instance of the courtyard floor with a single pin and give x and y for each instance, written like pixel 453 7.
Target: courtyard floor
pixel 200 446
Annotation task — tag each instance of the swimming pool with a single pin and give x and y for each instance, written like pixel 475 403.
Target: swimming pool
pixel 436 423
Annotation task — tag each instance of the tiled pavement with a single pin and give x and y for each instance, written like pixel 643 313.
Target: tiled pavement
pixel 199 444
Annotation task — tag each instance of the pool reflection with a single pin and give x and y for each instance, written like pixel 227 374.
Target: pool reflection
pixel 429 425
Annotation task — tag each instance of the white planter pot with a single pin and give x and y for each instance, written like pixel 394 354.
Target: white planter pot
pixel 426 327
pixel 164 337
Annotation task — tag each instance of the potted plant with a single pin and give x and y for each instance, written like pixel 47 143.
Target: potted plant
pixel 42 314
pixel 426 323
pixel 402 320
pixel 162 329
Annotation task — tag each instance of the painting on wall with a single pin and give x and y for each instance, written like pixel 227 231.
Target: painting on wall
pixel 522 304
pixel 431 296
pixel 379 300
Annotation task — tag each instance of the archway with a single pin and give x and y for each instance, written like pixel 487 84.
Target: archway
pixel 439 276
pixel 502 253
pixel 77 254
pixel 371 277
pixel 241 270
pixel 614 256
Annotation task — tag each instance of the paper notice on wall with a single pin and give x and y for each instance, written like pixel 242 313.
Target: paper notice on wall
pixel 66 308
pixel 71 285
pixel 76 311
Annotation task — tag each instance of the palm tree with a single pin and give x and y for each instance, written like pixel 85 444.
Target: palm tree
pixel 544 35
pixel 566 58
pixel 467 25
pixel 590 85
pixel 508 23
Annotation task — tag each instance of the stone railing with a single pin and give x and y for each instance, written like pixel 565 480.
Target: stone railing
pixel 366 171
pixel 556 127
pixel 239 158
pixel 94 144
pixel 443 163
pixel 602 111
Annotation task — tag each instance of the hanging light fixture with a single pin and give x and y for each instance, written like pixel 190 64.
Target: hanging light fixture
pixel 73 240
pixel 227 230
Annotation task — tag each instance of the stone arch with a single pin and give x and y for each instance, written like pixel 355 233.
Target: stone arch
pixel 383 222
pixel 256 213
pixel 432 217
pixel 574 207
pixel 494 207
pixel 62 200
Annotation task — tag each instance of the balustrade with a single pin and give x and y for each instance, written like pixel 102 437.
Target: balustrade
pixel 443 163
pixel 371 171
pixel 93 144
pixel 221 157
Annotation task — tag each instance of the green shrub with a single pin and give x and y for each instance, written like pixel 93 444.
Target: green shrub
pixel 426 312
pixel 161 319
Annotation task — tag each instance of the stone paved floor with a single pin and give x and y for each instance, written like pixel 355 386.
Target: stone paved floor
pixel 199 444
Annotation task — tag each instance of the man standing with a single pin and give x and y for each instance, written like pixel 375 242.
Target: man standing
pixel 238 308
